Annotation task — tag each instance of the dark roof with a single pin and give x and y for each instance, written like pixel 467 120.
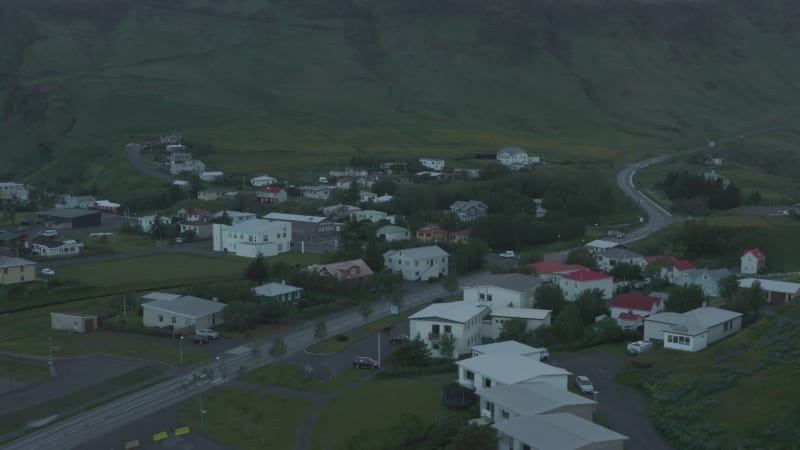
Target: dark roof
pixel 69 213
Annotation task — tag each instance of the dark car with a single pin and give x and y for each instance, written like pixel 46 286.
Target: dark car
pixel 201 339
pixel 364 362
pixel 398 338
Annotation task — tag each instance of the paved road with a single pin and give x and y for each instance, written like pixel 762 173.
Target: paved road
pixel 135 157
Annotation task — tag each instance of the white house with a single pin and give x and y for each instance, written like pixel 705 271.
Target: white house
pixel 534 318
pixel 778 292
pixel 146 222
pixel 469 210
pixel 253 237
pixel 316 192
pixel 503 402
pixel 263 180
pixel 505 290
pixel 71 321
pixel 753 261
pixel 344 183
pixel 393 233
pixel 371 215
pixel 607 260
pixel 271 195
pixel 629 309
pixel 211 176
pixel 280 292
pixel 181 311
pixel 693 330
pixel 507 348
pixel 515 157
pixel 340 211
pixel 486 371
pixel 433 164
pixel 459 320
pixel 366 197
pixel 201 230
pixel 679 273
pixel 558 431
pixel 574 283
pixel 600 245
pixel 236 217
pixel 419 263
pixel 13 191
pixel 56 248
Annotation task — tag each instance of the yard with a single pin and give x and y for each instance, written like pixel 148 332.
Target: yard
pixel 293 376
pixel 17 371
pixel 333 344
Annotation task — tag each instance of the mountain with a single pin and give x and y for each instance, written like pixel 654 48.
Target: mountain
pixel 285 86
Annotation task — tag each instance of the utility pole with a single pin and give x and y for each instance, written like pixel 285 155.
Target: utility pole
pixel 379 349
pixel 180 341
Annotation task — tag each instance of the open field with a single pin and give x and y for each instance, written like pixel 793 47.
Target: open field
pixel 293 376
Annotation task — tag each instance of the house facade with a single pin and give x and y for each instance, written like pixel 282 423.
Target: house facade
pixel 210 195
pixel 236 217
pixel 340 211
pixel 753 262
pixel 433 164
pixel 253 237
pixel 705 279
pixel 503 402
pixel 146 222
pixel 487 371
pixel 693 330
pixel 343 270
pixel 418 264
pixel 550 271
pixel 609 259
pixel 432 233
pixel 599 246
pixel 469 210
pixel 271 195
pixel 278 292
pixel 263 180
pixel 392 233
pixel 73 322
pixel 514 290
pixel 182 312
pixel 492 326
pixel 574 283
pixel 308 228
pixel 55 249
pixel 629 309
pixel 316 192
pixel 372 216
pixel 459 320
pixel 562 431
pixel 16 270
pixel 515 157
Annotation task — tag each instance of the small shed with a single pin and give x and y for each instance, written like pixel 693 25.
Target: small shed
pixel 71 321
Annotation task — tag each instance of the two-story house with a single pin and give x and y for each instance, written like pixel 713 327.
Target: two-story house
pixel 391 233
pixel 608 260
pixel 316 192
pixel 253 237
pixel 307 228
pixel 574 283
pixel 753 261
pixel 705 279
pixel 271 195
pixel 629 309
pixel 16 270
pixel 420 263
pixel 515 157
pixel 460 321
pixel 469 210
pixel 487 371
pixel 514 290
pixel 432 233
pixel 146 222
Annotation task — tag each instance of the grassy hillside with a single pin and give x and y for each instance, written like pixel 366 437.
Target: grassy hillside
pixel 737 394
pixel 288 86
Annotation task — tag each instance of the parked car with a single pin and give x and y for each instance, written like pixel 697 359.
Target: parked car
pixel 179 240
pixel 48 271
pixel 584 384
pixel 200 339
pixel 50 233
pixel 211 334
pixel 364 362
pixel 544 355
pixel 634 348
pixel 398 338
pixel 508 254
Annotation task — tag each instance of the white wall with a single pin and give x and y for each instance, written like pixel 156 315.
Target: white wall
pixel 696 343
pixel 465 334
pixel 422 270
pixel 150 318
pixel 496 296
pixel 655 330
pixel 572 289
pixel 273 241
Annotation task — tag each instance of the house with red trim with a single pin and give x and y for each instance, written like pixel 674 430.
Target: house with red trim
pixel 681 272
pixel 574 283
pixel 432 233
pixel 753 261
pixel 271 195
pixel 629 309
pixel 343 270
pixel 550 271
pixel 344 183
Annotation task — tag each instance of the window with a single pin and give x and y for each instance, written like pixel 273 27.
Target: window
pixel 526 447
pixel 504 414
pixel 160 318
pixel 174 320
pixel 187 321
pixel 470 375
pixel 482 296
pixel 448 329
pixel 487 383
pixel 435 346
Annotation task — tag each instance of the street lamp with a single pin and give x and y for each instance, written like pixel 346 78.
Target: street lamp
pixel 558 242
pixel 180 345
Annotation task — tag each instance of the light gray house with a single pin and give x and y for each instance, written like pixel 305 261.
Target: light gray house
pixel 180 311
pixel 393 233
pixel 693 330
pixel 506 290
pixel 503 402
pixel 280 292
pixel 560 431
pixel 420 263
pixel 607 260
pixel 707 280
pixel 469 210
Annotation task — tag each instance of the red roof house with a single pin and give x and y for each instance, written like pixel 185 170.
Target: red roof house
pixel 550 270
pixel 344 270
pixel 574 283
pixel 753 261
pixel 271 195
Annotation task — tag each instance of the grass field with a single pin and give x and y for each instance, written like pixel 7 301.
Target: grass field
pixel 22 371
pixel 293 376
pixel 245 419
pixel 333 344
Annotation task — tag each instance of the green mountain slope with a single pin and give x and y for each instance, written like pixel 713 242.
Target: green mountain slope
pixel 284 86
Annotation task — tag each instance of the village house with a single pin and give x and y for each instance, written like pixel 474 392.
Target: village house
pixel 459 320
pixel 308 228
pixel 339 211
pixel 506 401
pixel 344 183
pixel 73 322
pixel 367 197
pixel 236 217
pixel 75 201
pixel 513 290
pixel 420 263
pixel 705 279
pixel 599 246
pixel 433 164
pixel 573 284
pixel 263 180
pixel 778 292
pixel 693 330
pixel 508 348
pixel 753 262
pixel 493 326
pixel 16 270
pixel 253 237
pixel 278 292
pixel 54 249
pixel 316 192
pixel 607 260
pixel 469 210
pixel 678 274
pixel 211 176
pixel 432 233
pixel 146 222
pixel 487 371
pixel 210 195
pixel 199 229
pixel 10 191
pixel 560 431
pixel 372 216
pixel 186 165
pixel 629 309
pixel 459 236
pixel 180 311
pixel 515 157
pixel 550 271
pixel 271 195
pixel 348 172
pixel 343 270
pixel 391 233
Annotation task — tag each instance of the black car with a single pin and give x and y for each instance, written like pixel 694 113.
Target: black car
pixel 398 338
pixel 201 339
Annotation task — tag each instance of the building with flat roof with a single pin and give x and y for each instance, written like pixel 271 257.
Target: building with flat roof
pixel 181 311
pixel 71 217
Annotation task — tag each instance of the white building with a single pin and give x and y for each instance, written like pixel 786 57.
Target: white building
pixel 515 157
pixel 74 322
pixel 503 402
pixel 253 237
pixel 56 248
pixel 146 222
pixel 486 371
pixel 180 311
pixel 693 330
pixel 236 217
pixel 611 258
pixel 316 192
pixel 574 283
pixel 558 431
pixel 459 320
pixel 420 263
pixel 508 348
pixel 211 176
pixel 433 164
pixel 505 290
pixel 753 261
pixel 263 180
pixel 372 215
pixel 534 318
pixel 599 246
pixel 393 233
pixel 13 191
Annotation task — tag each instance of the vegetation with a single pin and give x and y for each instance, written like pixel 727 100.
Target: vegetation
pixel 295 377
pixel 694 194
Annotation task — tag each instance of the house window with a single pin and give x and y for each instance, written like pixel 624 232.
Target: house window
pixel 526 447
pixel 470 375
pixel 435 346
pixel 504 414
pixel 160 318
pixel 186 322
pixel 487 383
pixel 174 320
pixel 489 297
pixel 448 329
pixel 482 296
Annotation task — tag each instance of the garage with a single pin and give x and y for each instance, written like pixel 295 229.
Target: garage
pixel 75 322
pixel 70 217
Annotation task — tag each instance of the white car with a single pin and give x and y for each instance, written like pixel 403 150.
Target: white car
pixel 508 254
pixel 634 348
pixel 207 332
pixel 48 271
pixel 584 384
pixel 50 233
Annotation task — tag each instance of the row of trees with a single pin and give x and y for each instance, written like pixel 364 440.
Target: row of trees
pixel 695 193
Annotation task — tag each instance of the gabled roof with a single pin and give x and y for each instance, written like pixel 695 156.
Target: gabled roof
pixel 586 275
pixel 186 305
pixel 233 214
pixel 516 282
pixel 509 369
pixel 459 204
pixel 521 313
pixel 549 266
pixel 273 289
pixel 506 348
pixel 431 251
pixel 695 321
pixel 271 189
pixel 459 312
pixel 636 302
pixel 755 252
pixel 532 398
pixel 431 229
pixel 600 243
pixel 341 269
pixel 10 261
pixel 560 431
pixel 391 229
pixel 682 264
pixel 160 296
pixel 295 218
pixel 784 287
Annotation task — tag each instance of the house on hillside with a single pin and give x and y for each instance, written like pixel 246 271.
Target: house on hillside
pixel 181 311
pixel 339 211
pixel 433 164
pixel 459 236
pixel 316 192
pixel 513 290
pixel 778 292
pixel 693 330
pixel 534 318
pixel 55 249
pixel 418 264
pixel 343 270
pixel 574 283
pixel 16 270
pixel 607 260
pixel 487 371
pixel 515 158
pixel 308 228
pixel 549 271
pixel 459 320
pixel 560 431
pixel 263 180
pixel 508 348
pixel 599 246
pixel 344 183
pixel 278 292
pixel 146 222
pixel 16 192
pixel 236 217
pixel 707 280
pixel 679 273
pixel 753 262
pixel 629 309
pixel 391 233
pixel 432 233
pixel 253 237
pixel 504 402
pixel 372 216
pixel 209 195
pixel 469 210
pixel 271 195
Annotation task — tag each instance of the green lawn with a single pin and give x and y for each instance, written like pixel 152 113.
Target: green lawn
pixel 23 371
pixel 121 242
pixel 293 376
pixel 245 419
pixel 333 344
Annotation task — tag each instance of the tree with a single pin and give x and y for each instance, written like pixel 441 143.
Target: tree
pixel 753 299
pixel 365 309
pixel 278 348
pixel 447 346
pixel 320 329
pixel 257 270
pixel 550 296
pixel 685 298
pixel 583 257
pixel 373 255
pixel 569 324
pixel 474 437
pixel 591 305
pixel 414 353
pixel 397 297
pixel 626 272
pixel 729 287
pixel 515 330
pixel 450 282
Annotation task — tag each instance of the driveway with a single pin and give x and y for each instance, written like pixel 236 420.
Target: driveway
pixel 627 410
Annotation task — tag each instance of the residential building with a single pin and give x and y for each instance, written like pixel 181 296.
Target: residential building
pixel 196 214
pixel 433 164
pixel 146 222
pixel 515 157
pixel 629 309
pixel 469 210
pixel 778 292
pixel 707 280
pixel 418 264
pixel 348 172
pixel 599 246
pixel 432 233
pixel 504 402
pixel 181 312
pixel 549 271
pixel 693 330
pixel 459 320
pixel 236 217
pixel 10 191
pixel 486 371
pixel 13 240
pixel 263 180
pixel 201 230
pixel 505 290
pixel 308 228
pixel 540 210
pixel 211 176
pixel 372 216
pixel 183 184
pixel 661 262
pixel 187 165
pixel 344 183
pixel 492 327
pixel 459 236
pixel 753 261
pixel 678 274
pixel 343 270
pixel 366 197
pixel 508 348
pixel 271 195
pixel 16 270
pixel 339 212
pixel 73 322
pixel 70 218
pixel 316 192
pixel 607 260
pixel 75 201
pixel 558 431
pixel 51 249
pixel 574 283
pixel 391 233
pixel 253 237
pixel 278 292
pixel 210 195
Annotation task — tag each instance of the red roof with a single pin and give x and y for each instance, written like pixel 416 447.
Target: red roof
pixel 683 265
pixel 756 252
pixel 586 275
pixel 636 302
pixel 345 270
pixel 629 316
pixel 550 266
pixel 271 189
pixel 431 229
pixel 650 259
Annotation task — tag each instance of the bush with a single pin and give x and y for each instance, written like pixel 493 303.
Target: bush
pixel 342 338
